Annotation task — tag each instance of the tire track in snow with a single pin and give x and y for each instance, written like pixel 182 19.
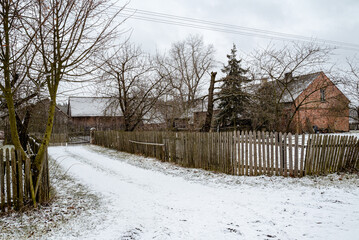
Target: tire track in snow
pixel 168 205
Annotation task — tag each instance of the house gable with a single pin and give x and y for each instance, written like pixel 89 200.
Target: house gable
pixel 321 104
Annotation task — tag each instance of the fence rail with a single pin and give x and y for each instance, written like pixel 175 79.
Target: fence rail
pixel 242 153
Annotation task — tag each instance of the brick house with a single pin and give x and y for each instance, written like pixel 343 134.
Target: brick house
pixel 317 102
pixel 94 112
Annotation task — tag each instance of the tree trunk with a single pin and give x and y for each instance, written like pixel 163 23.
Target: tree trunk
pixel 207 123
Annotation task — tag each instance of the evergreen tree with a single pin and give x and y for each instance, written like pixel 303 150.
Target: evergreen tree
pixel 232 97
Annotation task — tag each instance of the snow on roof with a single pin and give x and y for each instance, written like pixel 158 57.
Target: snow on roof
pixel 297 86
pixel 92 107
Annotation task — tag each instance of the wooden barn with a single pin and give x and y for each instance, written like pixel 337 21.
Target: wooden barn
pixel 94 112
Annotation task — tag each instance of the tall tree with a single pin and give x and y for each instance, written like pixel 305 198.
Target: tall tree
pixel 279 66
pixel 232 96
pixel 64 34
pixel 133 83
pixel 349 81
pixel 18 85
pixel 189 61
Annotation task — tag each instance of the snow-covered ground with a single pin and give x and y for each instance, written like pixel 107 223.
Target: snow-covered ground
pixel 132 197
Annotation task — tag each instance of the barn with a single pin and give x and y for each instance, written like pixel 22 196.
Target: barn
pixel 94 112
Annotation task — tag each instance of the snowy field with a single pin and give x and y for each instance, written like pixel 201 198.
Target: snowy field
pixel 114 195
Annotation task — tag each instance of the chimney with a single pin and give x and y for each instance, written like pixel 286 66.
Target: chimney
pixel 288 76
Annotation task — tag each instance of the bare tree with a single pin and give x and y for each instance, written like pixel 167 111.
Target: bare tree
pixel 350 81
pixel 19 84
pixel 65 34
pixel 187 65
pixel 278 67
pixel 133 82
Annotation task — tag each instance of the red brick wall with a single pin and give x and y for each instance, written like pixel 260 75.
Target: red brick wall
pixel 331 114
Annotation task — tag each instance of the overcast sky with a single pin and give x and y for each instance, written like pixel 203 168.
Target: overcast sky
pixel 320 19
pixel 324 19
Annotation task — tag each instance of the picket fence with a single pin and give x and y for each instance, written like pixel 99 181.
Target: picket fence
pixel 15 181
pixel 241 153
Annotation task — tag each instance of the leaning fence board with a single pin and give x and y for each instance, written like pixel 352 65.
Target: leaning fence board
pixel 8 184
pixel 14 178
pixel 264 164
pixel 20 182
pixel 268 160
pixel 285 159
pixel 302 157
pixel 2 180
pixel 296 157
pixel 290 157
pixel 276 154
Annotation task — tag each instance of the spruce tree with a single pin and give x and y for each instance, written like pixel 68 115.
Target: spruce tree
pixel 232 97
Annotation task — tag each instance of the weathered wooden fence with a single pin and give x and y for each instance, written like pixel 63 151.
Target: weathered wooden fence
pixel 15 181
pixel 241 153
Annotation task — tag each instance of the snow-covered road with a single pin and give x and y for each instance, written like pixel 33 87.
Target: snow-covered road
pixel 146 199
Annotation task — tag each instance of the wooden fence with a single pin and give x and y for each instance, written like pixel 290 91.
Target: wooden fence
pixel 241 153
pixel 15 176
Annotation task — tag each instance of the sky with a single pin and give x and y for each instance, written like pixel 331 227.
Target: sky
pixel 319 19
pixel 330 20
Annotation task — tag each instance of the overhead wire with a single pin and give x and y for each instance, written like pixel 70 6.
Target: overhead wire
pixel 150 16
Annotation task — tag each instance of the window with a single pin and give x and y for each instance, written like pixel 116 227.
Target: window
pixel 322 95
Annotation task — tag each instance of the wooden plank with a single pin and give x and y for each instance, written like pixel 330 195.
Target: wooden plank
pixel 235 153
pixel 296 157
pixel 317 154
pixel 302 149
pixel 276 154
pixel 255 157
pixel 314 153
pixel 27 179
pixel 246 155
pixel 328 154
pixel 14 180
pixel 264 163
pixel 290 157
pixel 250 145
pixel 281 156
pixel 242 153
pixel 342 152
pixel 310 154
pixel 284 150
pixel 332 167
pixel 8 184
pixel 356 156
pixel 260 168
pixel 310 162
pixel 350 152
pixel 2 181
pixel 272 153
pixel 268 154
pixel 20 182
pixel 228 153
pixel 322 158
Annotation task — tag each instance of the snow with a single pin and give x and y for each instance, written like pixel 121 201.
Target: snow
pixel 105 194
pixel 92 107
pixel 144 199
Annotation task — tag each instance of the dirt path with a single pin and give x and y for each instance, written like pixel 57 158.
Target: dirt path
pixel 161 201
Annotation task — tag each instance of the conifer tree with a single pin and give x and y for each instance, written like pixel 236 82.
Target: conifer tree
pixel 232 97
